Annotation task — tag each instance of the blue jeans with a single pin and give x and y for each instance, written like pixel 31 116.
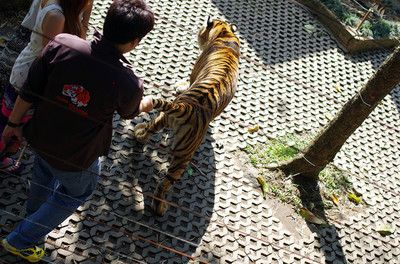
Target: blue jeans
pixel 54 196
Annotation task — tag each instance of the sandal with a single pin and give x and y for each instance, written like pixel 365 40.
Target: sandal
pixel 10 165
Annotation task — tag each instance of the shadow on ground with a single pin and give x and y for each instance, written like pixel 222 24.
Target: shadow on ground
pixel 328 236
pixel 123 200
pixel 117 223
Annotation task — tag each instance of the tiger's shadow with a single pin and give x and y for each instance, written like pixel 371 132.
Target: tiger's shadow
pixel 192 197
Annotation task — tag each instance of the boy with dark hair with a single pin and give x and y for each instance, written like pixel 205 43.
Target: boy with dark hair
pixel 75 87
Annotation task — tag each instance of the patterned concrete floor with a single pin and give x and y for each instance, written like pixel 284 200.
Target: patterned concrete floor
pixel 287 85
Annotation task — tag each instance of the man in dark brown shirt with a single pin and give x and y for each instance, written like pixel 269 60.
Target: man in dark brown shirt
pixel 75 87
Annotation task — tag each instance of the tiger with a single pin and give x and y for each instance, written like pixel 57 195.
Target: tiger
pixel 213 83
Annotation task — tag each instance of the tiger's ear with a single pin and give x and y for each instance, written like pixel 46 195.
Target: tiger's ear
pixel 209 22
pixel 233 28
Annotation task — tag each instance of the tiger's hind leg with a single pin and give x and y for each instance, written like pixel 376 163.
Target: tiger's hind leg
pixel 175 171
pixel 184 146
pixel 143 131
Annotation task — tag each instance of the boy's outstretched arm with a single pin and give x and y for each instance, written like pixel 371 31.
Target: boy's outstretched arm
pixel 146 105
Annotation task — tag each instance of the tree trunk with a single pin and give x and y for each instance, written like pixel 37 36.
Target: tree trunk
pixel 328 142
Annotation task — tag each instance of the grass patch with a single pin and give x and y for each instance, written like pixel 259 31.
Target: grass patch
pixel 276 150
pixel 331 180
pixel 334 181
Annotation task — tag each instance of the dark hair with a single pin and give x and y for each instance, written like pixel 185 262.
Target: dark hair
pixel 127 20
pixel 72 10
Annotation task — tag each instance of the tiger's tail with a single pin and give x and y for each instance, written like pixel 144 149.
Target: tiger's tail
pixel 166 106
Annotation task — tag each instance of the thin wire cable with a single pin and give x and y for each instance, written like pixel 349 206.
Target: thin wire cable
pixel 116 215
pixel 177 206
pixel 221 223
pixel 158 86
pixel 197 214
pixel 156 198
pixel 73 252
pixel 50 243
pixel 118 230
pixel 266 67
pixel 72 213
pixel 272 69
pixel 209 219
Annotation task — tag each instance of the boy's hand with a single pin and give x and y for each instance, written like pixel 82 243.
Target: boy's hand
pixel 146 105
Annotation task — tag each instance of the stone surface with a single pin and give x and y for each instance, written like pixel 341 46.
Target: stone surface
pixel 287 84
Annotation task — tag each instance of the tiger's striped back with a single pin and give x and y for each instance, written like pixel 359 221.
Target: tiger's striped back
pixel 213 79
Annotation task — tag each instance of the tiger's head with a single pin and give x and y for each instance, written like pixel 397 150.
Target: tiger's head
pixel 214 29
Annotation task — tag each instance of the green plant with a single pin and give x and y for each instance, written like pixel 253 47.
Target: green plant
pixel 366 29
pixel 381 29
pixel 334 181
pixel 351 20
pixel 370 28
pixel 283 148
pixel 395 30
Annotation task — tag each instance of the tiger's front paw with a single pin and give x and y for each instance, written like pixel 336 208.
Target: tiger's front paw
pixel 140 133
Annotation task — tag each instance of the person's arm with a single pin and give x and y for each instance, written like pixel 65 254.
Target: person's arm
pixel 53 24
pixel 13 128
pixel 146 105
pixel 85 18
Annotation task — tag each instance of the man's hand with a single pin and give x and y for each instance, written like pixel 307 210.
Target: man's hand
pixel 12 138
pixel 146 105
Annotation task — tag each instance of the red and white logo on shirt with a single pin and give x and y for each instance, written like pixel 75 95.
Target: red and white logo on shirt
pixel 79 95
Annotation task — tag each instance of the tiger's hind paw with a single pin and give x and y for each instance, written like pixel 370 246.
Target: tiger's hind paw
pixel 140 133
pixel 159 207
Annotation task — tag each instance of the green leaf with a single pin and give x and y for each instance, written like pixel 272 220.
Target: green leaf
pixel 354 198
pixel 190 171
pixel 385 229
pixel 264 186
